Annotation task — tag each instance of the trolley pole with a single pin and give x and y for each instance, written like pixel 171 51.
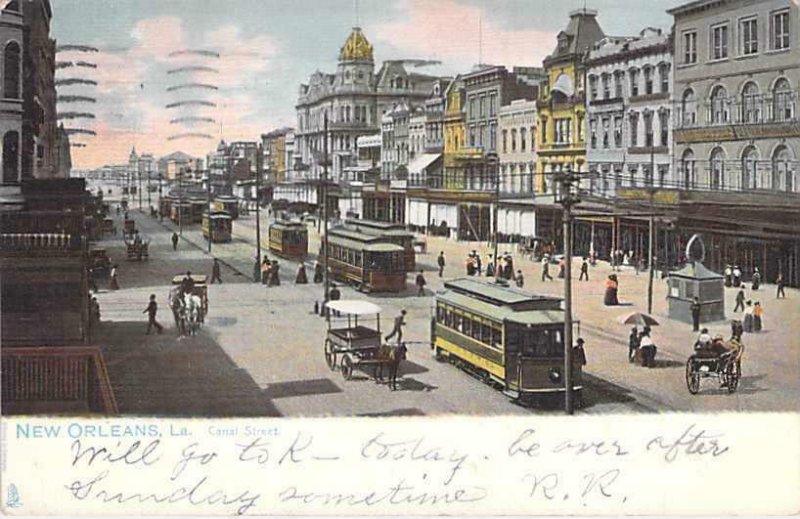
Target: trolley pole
pixel 566 180
pixel 325 207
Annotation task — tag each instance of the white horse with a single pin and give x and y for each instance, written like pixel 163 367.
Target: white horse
pixel 194 311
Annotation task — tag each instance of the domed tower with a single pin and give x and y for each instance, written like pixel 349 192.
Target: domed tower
pixel 356 64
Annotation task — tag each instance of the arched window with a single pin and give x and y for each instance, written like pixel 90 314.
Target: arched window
pixel 688 169
pixel 717 168
pixel 11 158
pixel 689 108
pixel 751 109
pixel 749 167
pixel 719 112
pixel 783 174
pixel 11 72
pixel 782 100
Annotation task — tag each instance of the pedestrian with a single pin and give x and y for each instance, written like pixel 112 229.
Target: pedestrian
pixel 174 241
pixel 508 271
pixel 648 348
pixel 187 283
pixel 113 284
pixel 611 296
pixel 440 263
pixel 265 266
pixel 318 273
pixel 739 299
pixel 579 352
pixel 640 264
pixel 334 294
pixel 703 341
pixel 274 279
pixel 215 272
pixel 151 310
pixel 584 270
pixel 490 268
pixel 562 265
pixel 728 275
pixel 781 294
pixel 420 282
pixel 257 270
pixel 399 322
pixel 737 276
pixel 633 344
pixel 470 266
pixel 301 278
pixel 695 308
pixel 92 281
pixel 758 313
pixel 546 268
pixel 748 317
pixel 520 280
pixel 756 280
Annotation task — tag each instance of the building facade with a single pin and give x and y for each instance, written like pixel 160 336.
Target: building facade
pixel 628 105
pixel 11 105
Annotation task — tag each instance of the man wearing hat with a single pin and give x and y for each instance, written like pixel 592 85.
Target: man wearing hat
pixel 399 322
pixel 579 353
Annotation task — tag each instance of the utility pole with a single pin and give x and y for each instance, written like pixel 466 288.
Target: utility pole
pixel 180 202
pixel 208 218
pixel 149 174
pixel 259 169
pixel 651 236
pixel 325 206
pixel 139 187
pixel 160 207
pixel 566 179
pixel 492 161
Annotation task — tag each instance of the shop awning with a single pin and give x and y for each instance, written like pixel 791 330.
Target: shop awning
pixel 421 163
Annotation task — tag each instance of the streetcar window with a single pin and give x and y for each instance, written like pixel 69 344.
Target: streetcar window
pixel 448 318
pixel 497 337
pixel 458 323
pixel 467 326
pixel 476 330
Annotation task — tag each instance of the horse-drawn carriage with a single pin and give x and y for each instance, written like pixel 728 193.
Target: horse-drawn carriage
pixel 719 359
pixel 200 290
pixel 188 308
pixel 137 249
pixel 358 347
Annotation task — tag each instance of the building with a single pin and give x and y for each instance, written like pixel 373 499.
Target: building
pixel 11 106
pixel 561 105
pixel 273 146
pixel 176 163
pixel 628 109
pixel 736 131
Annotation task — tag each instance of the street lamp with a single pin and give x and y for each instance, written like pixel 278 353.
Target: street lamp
pixel 566 180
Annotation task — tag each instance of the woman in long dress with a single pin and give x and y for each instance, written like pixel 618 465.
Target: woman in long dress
pixel 317 272
pixel 113 284
pixel 301 278
pixel 748 317
pixel 758 311
pixel 610 298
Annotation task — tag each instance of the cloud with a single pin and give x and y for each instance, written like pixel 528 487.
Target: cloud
pixel 132 91
pixel 448 30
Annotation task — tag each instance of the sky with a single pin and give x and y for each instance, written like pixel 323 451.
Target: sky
pixel 267 48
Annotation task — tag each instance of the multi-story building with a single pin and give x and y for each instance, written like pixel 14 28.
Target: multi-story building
pixel 434 116
pixel 273 146
pixel 629 140
pixel 517 147
pixel 416 134
pixel 737 129
pixel 11 106
pixel 561 106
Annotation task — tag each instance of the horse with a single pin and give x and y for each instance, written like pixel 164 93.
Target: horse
pixel 390 357
pixel 178 306
pixel 194 309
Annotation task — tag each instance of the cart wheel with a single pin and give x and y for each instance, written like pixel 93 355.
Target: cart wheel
pixel 347 367
pixel 692 378
pixel 330 356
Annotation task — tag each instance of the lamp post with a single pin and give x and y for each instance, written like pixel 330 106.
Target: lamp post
pixel 180 200
pixel 325 205
pixel 566 180
pixel 208 217
pixel 259 169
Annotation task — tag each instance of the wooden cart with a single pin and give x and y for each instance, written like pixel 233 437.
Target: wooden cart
pixel 349 342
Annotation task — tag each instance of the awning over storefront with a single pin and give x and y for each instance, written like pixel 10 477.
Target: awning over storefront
pixel 445 212
pixel 417 212
pixel 419 165
pixel 515 221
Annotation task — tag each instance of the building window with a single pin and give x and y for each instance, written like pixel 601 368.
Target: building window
pixel 533 138
pixel 648 129
pixel 544 130
pixel 663 117
pixel 563 131
pixel 493 136
pixel 472 113
pixel 690 47
pixel 581 129
pixel 11 158
pixel 483 106
pixel 748 32
pixel 634 122
pixel 505 141
pixel 472 136
pixel 749 167
pixel 11 72
pixel 688 169
pixel 593 133
pixel 606 137
pixel 606 86
pixel 492 104
pixel 634 76
pixel 783 101
pixel 688 108
pixel 513 140
pixel 618 78
pixel 779 29
pixel 719 112
pixel 648 80
pixel 618 131
pixel 523 139
pixel 592 87
pixel 783 176
pixel 719 42
pixel 663 72
pixel 717 168
pixel 751 111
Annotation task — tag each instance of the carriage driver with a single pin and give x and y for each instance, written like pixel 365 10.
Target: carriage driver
pixel 703 341
pixel 187 284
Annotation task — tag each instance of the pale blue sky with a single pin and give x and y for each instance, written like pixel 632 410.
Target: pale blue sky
pixel 269 47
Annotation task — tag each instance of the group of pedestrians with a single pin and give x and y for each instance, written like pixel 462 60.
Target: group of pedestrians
pixel 641 344
pixel 270 272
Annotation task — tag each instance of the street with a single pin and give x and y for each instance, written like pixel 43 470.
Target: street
pixel 260 351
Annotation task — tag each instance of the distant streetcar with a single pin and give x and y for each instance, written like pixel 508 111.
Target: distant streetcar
pixel 289 239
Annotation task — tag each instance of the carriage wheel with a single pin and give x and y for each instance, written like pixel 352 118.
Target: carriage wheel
pixel 330 356
pixel 347 367
pixel 692 378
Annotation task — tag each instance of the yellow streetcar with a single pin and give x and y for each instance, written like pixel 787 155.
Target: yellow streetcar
pixel 218 226
pixel 509 338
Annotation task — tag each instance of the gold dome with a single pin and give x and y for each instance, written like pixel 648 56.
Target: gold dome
pixel 356 48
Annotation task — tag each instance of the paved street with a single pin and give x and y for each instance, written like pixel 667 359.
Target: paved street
pixel 260 351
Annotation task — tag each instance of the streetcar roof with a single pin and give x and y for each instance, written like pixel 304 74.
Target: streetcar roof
pixel 501 313
pixel 354 307
pixel 360 245
pixel 288 226
pixel 496 294
pixel 353 234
